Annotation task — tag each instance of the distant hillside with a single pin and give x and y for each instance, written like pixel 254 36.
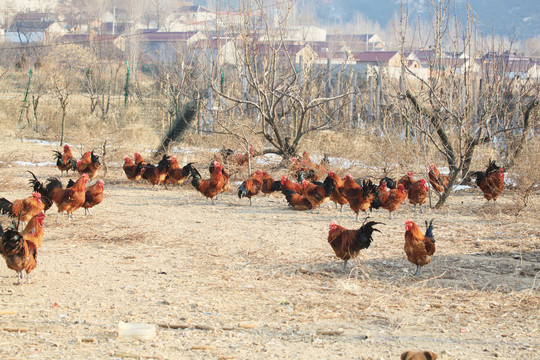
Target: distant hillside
pixel 516 19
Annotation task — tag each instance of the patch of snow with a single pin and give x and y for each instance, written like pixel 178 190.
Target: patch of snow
pixel 461 187
pixel 42 142
pixel 31 164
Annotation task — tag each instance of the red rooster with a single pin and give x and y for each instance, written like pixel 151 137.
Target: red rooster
pixel 491 181
pixel 391 200
pixel 33 231
pixel 19 253
pixel 437 181
pixel 209 187
pixel 251 186
pixel 407 180
pixel 24 209
pixel 419 247
pixel 418 193
pixel 348 243
pixel 337 197
pixel 65 161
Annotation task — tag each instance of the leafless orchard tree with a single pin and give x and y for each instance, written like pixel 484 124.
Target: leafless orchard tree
pixel 467 102
pixel 281 94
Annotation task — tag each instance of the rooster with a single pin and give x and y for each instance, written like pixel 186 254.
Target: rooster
pixel 391 200
pixel 210 188
pixel 226 175
pixel 437 181
pixel 24 209
pixel 287 184
pixel 348 243
pixel 19 253
pixel 419 247
pixel 251 186
pixel 93 195
pixel 269 185
pixel 318 194
pixel 68 199
pixel 65 161
pixel 337 197
pixel 156 174
pixel 418 193
pixel 177 174
pixel 33 231
pixel 89 164
pixel 139 159
pixel 132 170
pixel 359 197
pixel 40 188
pixel 491 181
pixel 389 182
pixel 406 180
pixel 297 201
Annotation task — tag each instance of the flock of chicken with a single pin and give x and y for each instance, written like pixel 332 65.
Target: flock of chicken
pixel 20 248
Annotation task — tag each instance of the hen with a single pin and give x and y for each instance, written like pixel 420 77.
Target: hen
pixel 391 200
pixel 65 161
pixel 68 199
pixel 132 170
pixel 348 243
pixel 210 188
pixel 40 188
pixel 318 194
pixel 437 181
pixel 89 164
pixel 406 180
pixel 24 209
pixel 19 253
pixel 419 247
pixel 34 230
pixel 491 181
pixel 251 186
pixel 418 193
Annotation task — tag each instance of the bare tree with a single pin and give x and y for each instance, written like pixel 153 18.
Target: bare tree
pixel 468 100
pixel 283 91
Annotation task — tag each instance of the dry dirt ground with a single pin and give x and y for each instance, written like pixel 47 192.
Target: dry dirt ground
pixel 261 281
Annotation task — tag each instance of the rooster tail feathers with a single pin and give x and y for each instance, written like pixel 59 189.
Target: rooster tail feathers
pixel 429 230
pixel 329 185
pixel 58 157
pixel 53 183
pixel 36 184
pixel 276 186
pixel 196 175
pixel 242 191
pixel 6 207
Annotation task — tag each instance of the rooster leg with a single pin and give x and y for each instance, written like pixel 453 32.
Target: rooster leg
pixel 318 212
pixel 336 204
pixel 421 210
pixel 345 265
pixel 417 273
pixel 249 201
pixel 357 215
pixel 415 208
pixel 19 277
pixel 341 208
pixel 390 215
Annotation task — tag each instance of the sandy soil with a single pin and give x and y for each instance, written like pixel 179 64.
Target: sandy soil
pixel 262 282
